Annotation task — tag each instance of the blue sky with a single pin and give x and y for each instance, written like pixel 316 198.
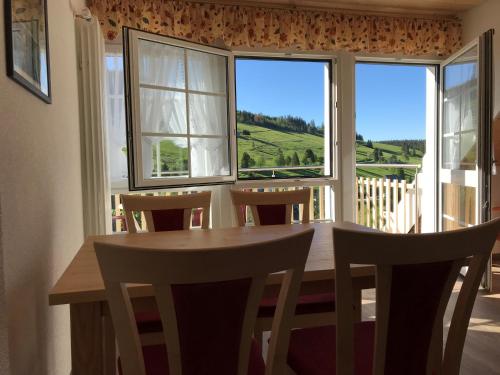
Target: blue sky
pixel 278 88
pixel 390 99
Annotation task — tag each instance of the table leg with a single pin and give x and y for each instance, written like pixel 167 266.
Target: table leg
pixel 87 339
pixel 109 346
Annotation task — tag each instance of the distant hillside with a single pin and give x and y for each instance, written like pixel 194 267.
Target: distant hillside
pixel 266 147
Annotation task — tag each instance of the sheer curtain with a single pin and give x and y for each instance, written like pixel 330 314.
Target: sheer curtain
pixel 208 114
pixel 161 68
pixel 163 96
pixel 115 119
pixel 95 174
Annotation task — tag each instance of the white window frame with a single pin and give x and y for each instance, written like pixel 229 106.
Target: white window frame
pixel 134 130
pixel 334 132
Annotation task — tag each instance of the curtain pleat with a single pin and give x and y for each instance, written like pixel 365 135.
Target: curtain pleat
pixel 301 29
pixel 95 165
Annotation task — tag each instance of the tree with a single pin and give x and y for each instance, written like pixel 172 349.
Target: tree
pixel 261 161
pixel 376 155
pixel 245 132
pixel 280 159
pixel 245 160
pixel 288 160
pixel 309 157
pixel 369 143
pixel 393 159
pixel 359 137
pixel 401 174
pixel 295 160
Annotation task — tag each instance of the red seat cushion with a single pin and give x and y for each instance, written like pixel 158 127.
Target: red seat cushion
pixel 313 350
pixel 307 304
pixel 156 361
pixel 272 214
pixel 148 321
pixel 167 220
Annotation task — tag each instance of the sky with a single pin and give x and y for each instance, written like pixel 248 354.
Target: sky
pixel 390 99
pixel 277 88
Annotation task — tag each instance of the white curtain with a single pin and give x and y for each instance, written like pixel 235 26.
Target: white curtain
pixel 115 120
pixel 461 113
pixel 96 193
pixel 162 70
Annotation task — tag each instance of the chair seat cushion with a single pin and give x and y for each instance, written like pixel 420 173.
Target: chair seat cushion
pixel 312 351
pixel 148 321
pixel 156 361
pixel 307 304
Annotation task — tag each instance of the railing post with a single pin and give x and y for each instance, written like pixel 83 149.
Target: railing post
pixel 395 202
pixel 362 201
pixel 381 203
pixel 403 201
pixel 368 205
pixel 388 215
pixel 374 203
pixel 357 200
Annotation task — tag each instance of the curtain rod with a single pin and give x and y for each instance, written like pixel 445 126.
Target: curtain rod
pixel 346 10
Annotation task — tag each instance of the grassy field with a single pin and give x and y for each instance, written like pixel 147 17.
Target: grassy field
pixel 263 145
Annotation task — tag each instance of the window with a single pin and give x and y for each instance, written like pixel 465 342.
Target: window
pixel 179 127
pixel 283 116
pixel 115 118
pixel 185 127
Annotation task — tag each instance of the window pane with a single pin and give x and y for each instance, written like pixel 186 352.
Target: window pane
pixel 163 111
pixel 115 120
pixel 282 113
pixel 209 157
pixel 161 64
pixel 206 72
pixel 164 157
pixel 468 149
pixel 207 115
pixel 450 152
pixel 461 81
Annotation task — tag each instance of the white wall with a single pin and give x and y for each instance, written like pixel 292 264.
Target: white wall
pixel 475 22
pixel 40 201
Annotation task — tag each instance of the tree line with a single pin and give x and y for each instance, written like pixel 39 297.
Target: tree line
pixel 289 123
pixel 293 160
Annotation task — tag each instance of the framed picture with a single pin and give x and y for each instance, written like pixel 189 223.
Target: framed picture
pixel 27 45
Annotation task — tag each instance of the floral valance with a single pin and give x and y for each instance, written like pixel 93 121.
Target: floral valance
pixel 248 26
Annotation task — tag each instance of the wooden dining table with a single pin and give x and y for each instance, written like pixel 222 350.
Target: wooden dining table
pixel 93 344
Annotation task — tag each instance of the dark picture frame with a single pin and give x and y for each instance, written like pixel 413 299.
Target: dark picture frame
pixel 27 46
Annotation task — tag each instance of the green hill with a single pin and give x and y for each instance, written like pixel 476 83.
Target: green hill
pixel 263 145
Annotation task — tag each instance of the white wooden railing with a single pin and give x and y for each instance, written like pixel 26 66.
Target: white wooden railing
pixel 386 204
pixel 317 210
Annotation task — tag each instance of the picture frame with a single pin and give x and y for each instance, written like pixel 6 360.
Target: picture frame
pixel 27 46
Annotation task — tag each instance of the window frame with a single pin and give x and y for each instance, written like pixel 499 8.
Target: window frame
pixel 136 180
pixel 334 129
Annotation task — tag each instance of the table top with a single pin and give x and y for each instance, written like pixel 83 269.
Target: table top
pixel 82 282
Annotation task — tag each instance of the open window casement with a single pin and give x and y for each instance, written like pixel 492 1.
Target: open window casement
pixel 179 128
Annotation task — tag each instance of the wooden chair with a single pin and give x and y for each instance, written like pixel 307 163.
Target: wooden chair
pixel 166 213
pixel 208 300
pixel 163 214
pixel 272 208
pixel 415 275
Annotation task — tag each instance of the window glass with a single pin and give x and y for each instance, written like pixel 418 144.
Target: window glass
pixel 283 118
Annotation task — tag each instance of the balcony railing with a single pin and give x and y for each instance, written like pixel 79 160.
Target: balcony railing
pixel 317 210
pixel 388 204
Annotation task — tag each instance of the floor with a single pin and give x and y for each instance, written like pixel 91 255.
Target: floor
pixel 481 354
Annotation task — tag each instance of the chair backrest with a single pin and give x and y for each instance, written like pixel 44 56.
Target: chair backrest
pixel 208 301
pixel 167 212
pixel 270 208
pixel 415 275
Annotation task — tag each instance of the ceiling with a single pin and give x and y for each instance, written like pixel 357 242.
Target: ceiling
pixel 439 7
